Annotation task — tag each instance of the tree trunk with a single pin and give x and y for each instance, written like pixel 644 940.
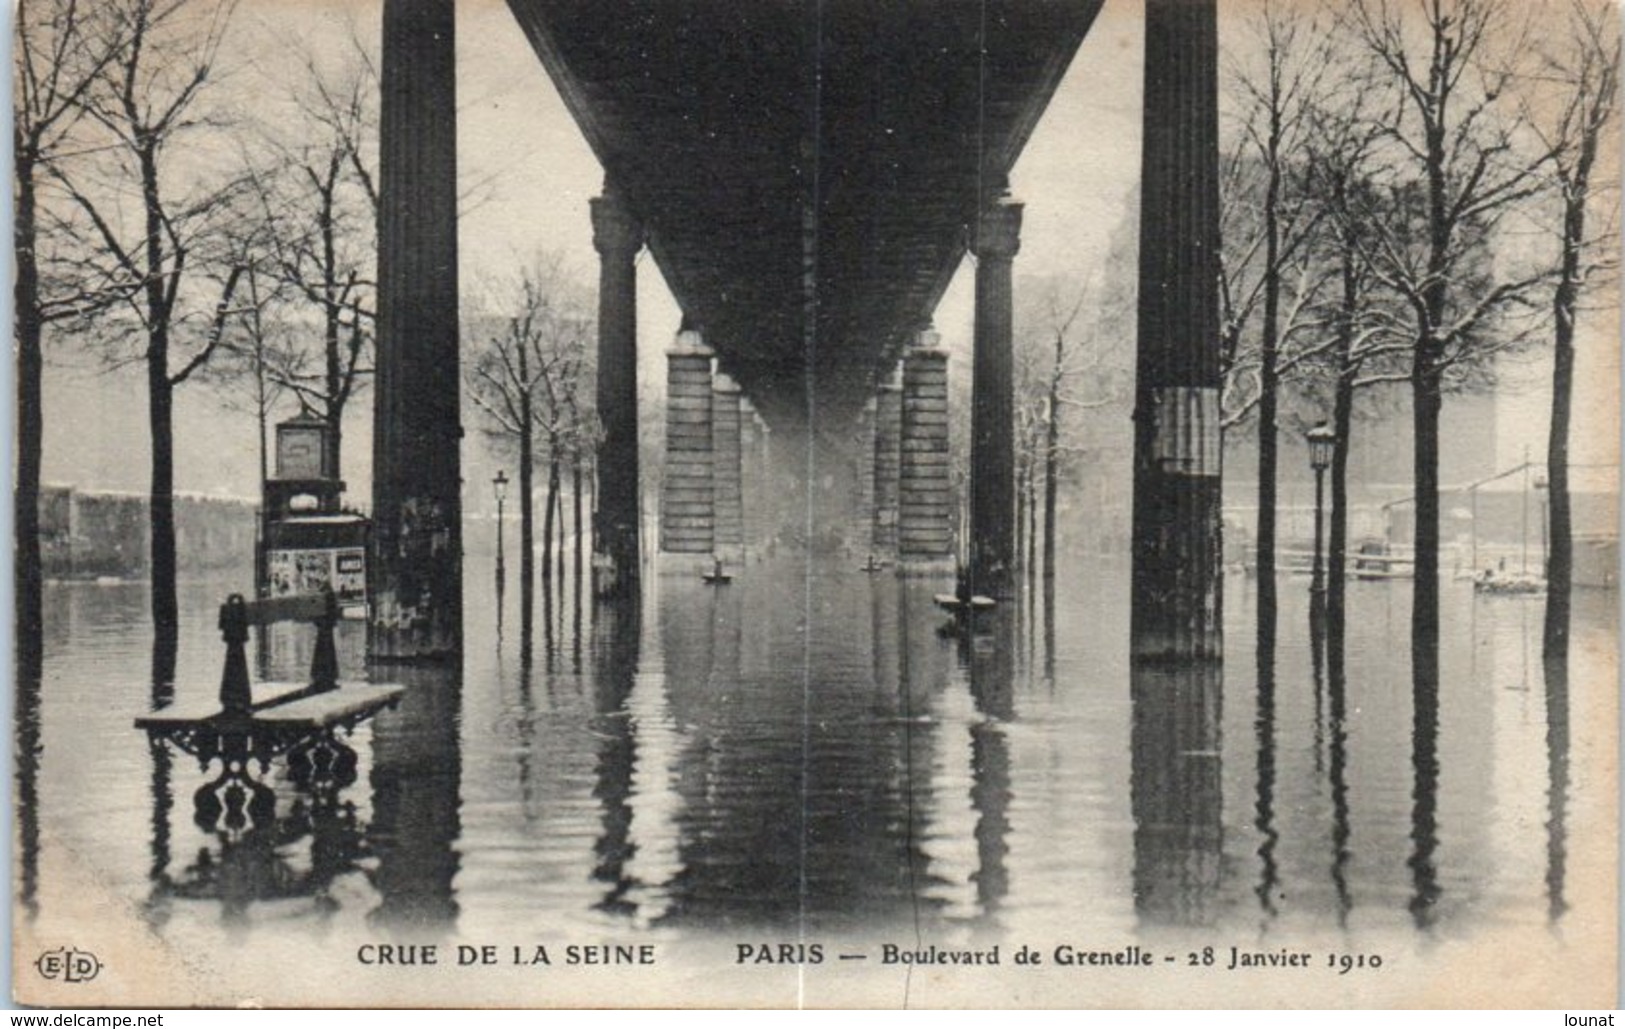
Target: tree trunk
pixel 527 526
pixel 1565 304
pixel 330 334
pixel 165 609
pixel 1342 429
pixel 29 623
pixel 547 520
pixel 1268 383
pixel 575 503
pixel 1032 525
pixel 1052 457
pixel 1023 478
pixel 1337 539
pixel 1051 490
pixel 1426 401
pixel 558 499
pixel 160 419
pixel 262 419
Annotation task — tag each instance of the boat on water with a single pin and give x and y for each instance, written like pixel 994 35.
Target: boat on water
pixel 1502 582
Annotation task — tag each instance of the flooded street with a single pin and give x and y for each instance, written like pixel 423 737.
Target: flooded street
pixel 803 755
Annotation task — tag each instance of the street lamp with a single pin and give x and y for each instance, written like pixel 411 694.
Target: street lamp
pixel 1322 441
pixel 1541 487
pixel 499 486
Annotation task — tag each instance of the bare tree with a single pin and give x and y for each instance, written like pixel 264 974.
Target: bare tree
pixel 1583 71
pixel 61 49
pixel 318 189
pixel 526 376
pixel 1362 320
pixel 244 373
pixel 1059 368
pixel 144 100
pixel 1460 166
pixel 1265 196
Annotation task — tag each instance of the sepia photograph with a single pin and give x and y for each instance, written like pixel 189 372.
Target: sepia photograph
pixel 949 504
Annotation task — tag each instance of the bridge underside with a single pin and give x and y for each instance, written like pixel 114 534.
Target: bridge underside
pixel 808 175
pixel 806 171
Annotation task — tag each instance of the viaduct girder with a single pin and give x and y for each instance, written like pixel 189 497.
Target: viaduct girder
pixel 806 170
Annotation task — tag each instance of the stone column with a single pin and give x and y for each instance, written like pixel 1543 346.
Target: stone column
pixel 417 582
pixel 925 493
pixel 617 236
pixel 727 471
pixel 750 473
pixel 863 485
pixel 992 453
pixel 888 437
pixel 687 497
pixel 1176 536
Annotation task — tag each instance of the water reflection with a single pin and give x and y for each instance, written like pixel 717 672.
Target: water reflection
pixel 416 774
pixel 618 635
pixel 254 852
pixel 989 661
pixel 30 749
pixel 1177 792
pixel 795 806
pixel 1425 794
pixel 1264 727
pixel 1557 771
pixel 804 750
pixel 1337 704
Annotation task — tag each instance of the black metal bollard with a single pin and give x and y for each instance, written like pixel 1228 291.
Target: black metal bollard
pixel 324 662
pixel 236 698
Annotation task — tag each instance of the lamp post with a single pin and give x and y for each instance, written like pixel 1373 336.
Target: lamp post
pixel 499 487
pixel 1322 440
pixel 1541 487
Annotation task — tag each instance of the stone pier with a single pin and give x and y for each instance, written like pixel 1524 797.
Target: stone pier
pixel 727 471
pixel 688 495
pixel 925 493
pixel 862 529
pixel 617 237
pixel 417 572
pixel 751 472
pixel 992 454
pixel 1177 551
pixel 887 464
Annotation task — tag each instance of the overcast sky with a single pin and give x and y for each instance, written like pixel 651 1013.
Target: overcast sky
pixel 534 175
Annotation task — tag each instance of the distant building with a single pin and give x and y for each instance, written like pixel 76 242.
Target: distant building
pixel 95 534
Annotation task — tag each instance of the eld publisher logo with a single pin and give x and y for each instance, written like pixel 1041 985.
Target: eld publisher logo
pixel 69 965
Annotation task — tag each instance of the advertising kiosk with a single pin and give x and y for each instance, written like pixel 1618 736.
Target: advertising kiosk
pixel 309 541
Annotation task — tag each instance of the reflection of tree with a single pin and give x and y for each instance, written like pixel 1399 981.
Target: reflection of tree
pixel 1425 796
pixel 1557 789
pixel 1337 693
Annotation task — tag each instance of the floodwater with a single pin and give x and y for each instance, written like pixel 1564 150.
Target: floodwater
pixel 804 755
